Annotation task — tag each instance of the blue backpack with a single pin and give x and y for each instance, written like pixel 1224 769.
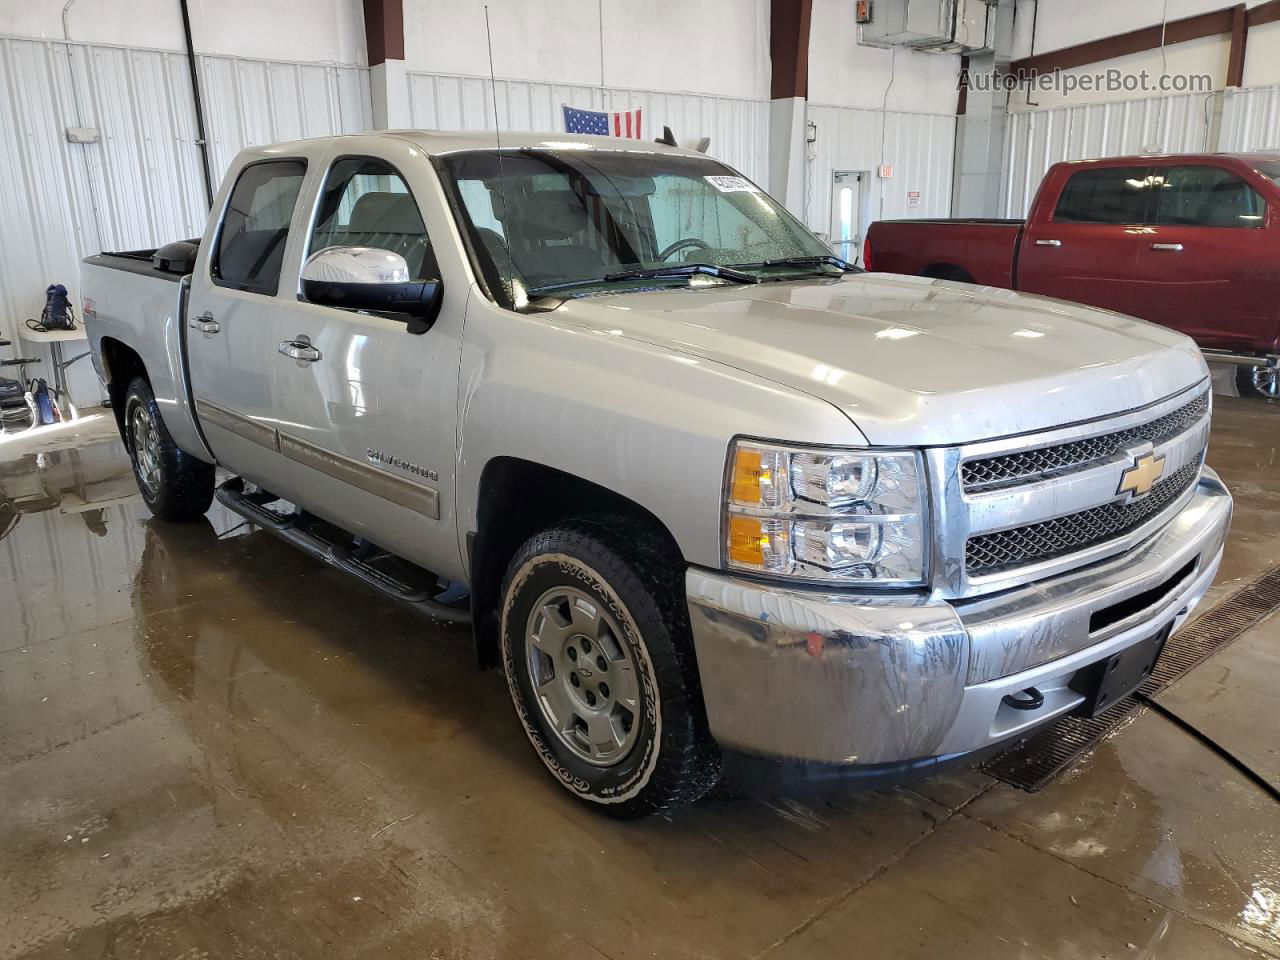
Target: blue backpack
pixel 57 313
pixel 46 407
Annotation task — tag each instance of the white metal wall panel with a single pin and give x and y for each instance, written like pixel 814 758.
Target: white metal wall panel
pixel 60 201
pixel 1251 119
pixel 1037 139
pixel 250 102
pixel 738 128
pixel 141 185
pixel 920 147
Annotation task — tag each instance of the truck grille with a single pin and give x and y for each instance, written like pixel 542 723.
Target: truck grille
pixel 994 552
pixel 1030 465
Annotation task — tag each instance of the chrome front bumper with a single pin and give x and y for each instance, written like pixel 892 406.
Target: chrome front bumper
pixel 861 679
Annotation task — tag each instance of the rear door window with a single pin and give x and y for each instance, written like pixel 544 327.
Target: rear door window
pixel 255 227
pixel 1203 196
pixel 1106 195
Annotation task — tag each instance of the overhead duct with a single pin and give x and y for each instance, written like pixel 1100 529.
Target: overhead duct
pixel 979 151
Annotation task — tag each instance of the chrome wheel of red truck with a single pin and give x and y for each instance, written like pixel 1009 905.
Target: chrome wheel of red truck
pixel 1261 382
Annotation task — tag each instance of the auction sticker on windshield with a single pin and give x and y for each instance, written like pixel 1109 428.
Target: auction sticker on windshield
pixel 732 184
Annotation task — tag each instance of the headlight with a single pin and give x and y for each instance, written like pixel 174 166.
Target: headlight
pixel 824 515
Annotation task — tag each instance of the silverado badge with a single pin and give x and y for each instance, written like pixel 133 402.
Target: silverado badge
pixel 1141 477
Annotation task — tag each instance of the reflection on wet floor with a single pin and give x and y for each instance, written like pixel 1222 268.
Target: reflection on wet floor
pixel 215 746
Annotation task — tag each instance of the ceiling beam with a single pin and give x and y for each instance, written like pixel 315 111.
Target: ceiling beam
pixel 1209 24
pixel 1268 12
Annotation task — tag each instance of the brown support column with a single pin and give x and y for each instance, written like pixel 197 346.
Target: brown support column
pixel 388 85
pixel 384 30
pixel 789 22
pixel 1239 37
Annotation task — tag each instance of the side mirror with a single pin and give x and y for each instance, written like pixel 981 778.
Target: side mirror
pixel 367 278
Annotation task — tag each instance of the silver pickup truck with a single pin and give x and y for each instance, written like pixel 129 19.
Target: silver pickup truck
pixel 697 484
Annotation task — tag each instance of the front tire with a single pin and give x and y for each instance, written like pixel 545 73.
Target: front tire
pixel 175 485
pixel 1262 383
pixel 599 660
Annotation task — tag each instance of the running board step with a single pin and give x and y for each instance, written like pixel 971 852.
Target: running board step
pixel 386 572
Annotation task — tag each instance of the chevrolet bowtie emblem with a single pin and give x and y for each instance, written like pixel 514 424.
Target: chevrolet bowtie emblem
pixel 1141 477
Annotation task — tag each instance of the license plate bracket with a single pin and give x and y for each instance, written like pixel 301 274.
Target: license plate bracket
pixel 1110 680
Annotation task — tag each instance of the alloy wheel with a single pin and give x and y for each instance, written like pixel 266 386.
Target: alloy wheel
pixel 146 448
pixel 583 675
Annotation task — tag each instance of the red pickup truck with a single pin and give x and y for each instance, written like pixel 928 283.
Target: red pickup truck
pixel 1189 241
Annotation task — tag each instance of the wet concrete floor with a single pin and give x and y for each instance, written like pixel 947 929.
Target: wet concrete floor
pixel 213 746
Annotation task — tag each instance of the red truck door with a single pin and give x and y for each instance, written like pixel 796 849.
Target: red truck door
pixel 1211 266
pixel 1082 243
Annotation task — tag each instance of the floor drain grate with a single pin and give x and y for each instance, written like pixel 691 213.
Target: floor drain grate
pixel 1033 762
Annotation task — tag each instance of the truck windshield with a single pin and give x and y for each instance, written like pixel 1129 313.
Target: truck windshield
pixel 577 221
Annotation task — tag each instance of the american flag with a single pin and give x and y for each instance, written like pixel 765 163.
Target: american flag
pixel 624 124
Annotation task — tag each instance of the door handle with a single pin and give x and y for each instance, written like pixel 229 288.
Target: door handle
pixel 204 323
pixel 298 350
pixel 1048 243
pixel 1166 246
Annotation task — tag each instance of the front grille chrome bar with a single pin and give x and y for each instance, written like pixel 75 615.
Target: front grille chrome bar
pixel 1053 501
pixel 1028 466
pixel 1005 549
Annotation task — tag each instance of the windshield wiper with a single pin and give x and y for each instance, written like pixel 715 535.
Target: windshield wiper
pixel 814 261
pixel 685 270
pixel 676 271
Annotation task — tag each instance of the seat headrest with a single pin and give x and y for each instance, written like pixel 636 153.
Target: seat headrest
pixel 386 212
pixel 551 215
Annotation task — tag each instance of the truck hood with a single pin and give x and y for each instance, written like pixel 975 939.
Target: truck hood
pixel 914 361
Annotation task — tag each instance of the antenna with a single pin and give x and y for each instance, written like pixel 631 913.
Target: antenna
pixel 502 179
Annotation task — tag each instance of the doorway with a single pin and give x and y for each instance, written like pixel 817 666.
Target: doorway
pixel 850 212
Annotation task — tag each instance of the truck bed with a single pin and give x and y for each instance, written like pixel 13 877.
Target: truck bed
pixel 975 250
pixel 137 304
pixel 172 264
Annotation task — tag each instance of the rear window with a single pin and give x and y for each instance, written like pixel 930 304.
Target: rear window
pixel 1204 196
pixel 1269 169
pixel 255 227
pixel 1106 195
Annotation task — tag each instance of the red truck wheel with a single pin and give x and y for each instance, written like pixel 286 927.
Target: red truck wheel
pixel 1262 383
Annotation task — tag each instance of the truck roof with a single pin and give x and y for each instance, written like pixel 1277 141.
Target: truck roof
pixel 1251 156
pixel 436 142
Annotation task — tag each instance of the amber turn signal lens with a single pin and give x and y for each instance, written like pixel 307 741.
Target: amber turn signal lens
pixel 747 541
pixel 748 471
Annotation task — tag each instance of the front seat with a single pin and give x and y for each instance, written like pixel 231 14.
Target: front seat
pixel 538 229
pixel 391 221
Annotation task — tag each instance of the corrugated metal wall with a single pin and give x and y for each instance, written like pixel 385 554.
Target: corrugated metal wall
pixel 249 102
pixel 1037 139
pixel 738 128
pixel 920 147
pixel 141 185
pixel 61 201
pixel 1251 119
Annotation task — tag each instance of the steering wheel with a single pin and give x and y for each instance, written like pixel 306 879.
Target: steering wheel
pixel 688 243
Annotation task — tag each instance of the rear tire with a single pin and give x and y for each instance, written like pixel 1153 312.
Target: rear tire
pixel 1260 383
pixel 175 485
pixel 599 659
